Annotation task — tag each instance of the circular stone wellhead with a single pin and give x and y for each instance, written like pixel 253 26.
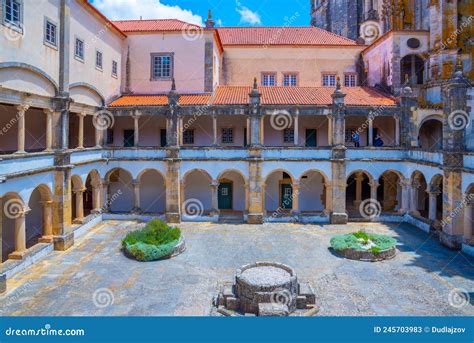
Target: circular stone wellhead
pixel 265 282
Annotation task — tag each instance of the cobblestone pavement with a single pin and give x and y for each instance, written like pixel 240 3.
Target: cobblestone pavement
pixel 95 278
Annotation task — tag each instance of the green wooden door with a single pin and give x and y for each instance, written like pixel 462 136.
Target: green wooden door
pixel 286 196
pixel 311 138
pixel 225 196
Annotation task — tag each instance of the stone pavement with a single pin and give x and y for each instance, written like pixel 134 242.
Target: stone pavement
pixel 95 278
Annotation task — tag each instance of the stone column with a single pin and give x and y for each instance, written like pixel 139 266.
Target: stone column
pixel 256 191
pixel 330 133
pixel 136 128
pixel 99 134
pixel 21 128
pixel 105 195
pixel 397 130
pixel 414 197
pixel 215 198
pixel 174 193
pixel 296 198
pixel 328 198
pixel 432 204
pixel 468 221
pixel 405 203
pixel 49 129
pixel 214 130
pixel 296 130
pixel 20 234
pixel 358 198
pixel 79 194
pixel 47 221
pixel 180 130
pixel 62 195
pixel 370 143
pixel 80 134
pixel 374 185
pixel 136 196
pixel 96 190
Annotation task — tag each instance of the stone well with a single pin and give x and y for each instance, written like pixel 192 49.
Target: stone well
pixel 266 289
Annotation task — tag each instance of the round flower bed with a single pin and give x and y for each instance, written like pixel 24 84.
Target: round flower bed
pixel 362 246
pixel 154 242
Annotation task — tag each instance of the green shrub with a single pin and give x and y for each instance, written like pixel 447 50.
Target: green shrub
pixel 155 241
pixel 351 241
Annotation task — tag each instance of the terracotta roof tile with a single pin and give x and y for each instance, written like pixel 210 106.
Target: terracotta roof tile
pixel 237 95
pixel 306 35
pixel 154 25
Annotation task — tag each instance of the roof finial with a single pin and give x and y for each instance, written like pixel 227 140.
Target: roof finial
pixel 458 70
pixel 209 22
pixel 255 84
pixel 338 83
pixel 173 85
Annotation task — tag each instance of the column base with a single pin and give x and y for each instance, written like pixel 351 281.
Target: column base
pixel 339 218
pixel 97 211
pixel 451 241
pixel 415 213
pixel 255 218
pixel 63 243
pixel 173 218
pixel 17 255
pixel 3 283
pixel 137 210
pixel 402 211
pixel 46 239
pixel 78 221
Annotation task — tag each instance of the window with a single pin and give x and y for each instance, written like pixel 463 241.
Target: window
pixel 329 80
pixel 161 66
pixel 188 137
pixel 79 49
pixel 269 79
pixel 110 137
pixel 99 60
pixel 50 32
pixel 13 13
pixel 227 136
pixel 350 80
pixel 114 68
pixel 290 80
pixel 288 136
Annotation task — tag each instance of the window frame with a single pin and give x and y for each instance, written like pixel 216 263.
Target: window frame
pixel 99 67
pixel 76 56
pixel 47 42
pixel 326 74
pixel 232 134
pixel 292 74
pixel 269 73
pixel 350 75
pixel 16 26
pixel 192 133
pixel 155 55
pixel 114 69
pixel 292 135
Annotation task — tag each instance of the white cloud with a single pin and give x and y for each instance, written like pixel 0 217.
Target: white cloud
pixel 247 16
pixel 147 9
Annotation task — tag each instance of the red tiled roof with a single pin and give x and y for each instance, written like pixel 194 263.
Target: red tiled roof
pixel 236 95
pixel 154 25
pixel 305 35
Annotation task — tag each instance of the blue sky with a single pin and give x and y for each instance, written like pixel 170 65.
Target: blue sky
pixel 225 12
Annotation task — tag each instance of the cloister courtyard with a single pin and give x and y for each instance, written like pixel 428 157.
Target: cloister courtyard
pixel 94 277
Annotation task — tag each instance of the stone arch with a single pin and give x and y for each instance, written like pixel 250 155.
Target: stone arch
pixel 152 189
pixel 389 194
pixel 313 192
pixel 419 195
pixel 430 133
pixel 360 186
pixel 279 192
pixel 86 93
pixel 198 189
pixel 232 191
pixel 120 193
pixel 40 216
pixel 45 85
pixel 13 225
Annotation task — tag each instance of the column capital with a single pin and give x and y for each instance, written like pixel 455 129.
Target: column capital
pixel 46 203
pixel 215 183
pixel 79 190
pixel 81 114
pixel 23 108
pixel 296 184
pixel 48 111
pixel 374 183
pixel 136 183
